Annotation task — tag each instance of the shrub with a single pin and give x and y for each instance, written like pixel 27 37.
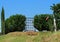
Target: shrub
pixel 15 23
pixel 42 23
pixel 58 24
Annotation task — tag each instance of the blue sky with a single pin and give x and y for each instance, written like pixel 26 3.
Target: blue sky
pixel 29 8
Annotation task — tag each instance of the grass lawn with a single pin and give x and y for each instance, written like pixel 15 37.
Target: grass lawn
pixel 23 37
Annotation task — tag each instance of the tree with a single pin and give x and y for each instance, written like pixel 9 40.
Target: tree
pixel 56 13
pixel 15 23
pixel 43 22
pixel 3 21
pixel 56 8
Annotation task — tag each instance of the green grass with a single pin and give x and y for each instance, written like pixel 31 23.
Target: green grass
pixel 41 37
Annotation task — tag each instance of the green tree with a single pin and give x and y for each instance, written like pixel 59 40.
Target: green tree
pixel 41 23
pixel 56 11
pixel 56 8
pixel 3 21
pixel 15 23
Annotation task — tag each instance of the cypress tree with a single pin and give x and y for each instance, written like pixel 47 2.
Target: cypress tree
pixel 2 22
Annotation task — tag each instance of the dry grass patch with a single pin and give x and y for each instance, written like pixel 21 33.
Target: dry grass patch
pixel 16 33
pixel 32 33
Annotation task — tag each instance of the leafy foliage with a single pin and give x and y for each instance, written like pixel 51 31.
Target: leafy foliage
pixel 56 8
pixel 58 24
pixel 15 23
pixel 41 23
pixel 57 16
